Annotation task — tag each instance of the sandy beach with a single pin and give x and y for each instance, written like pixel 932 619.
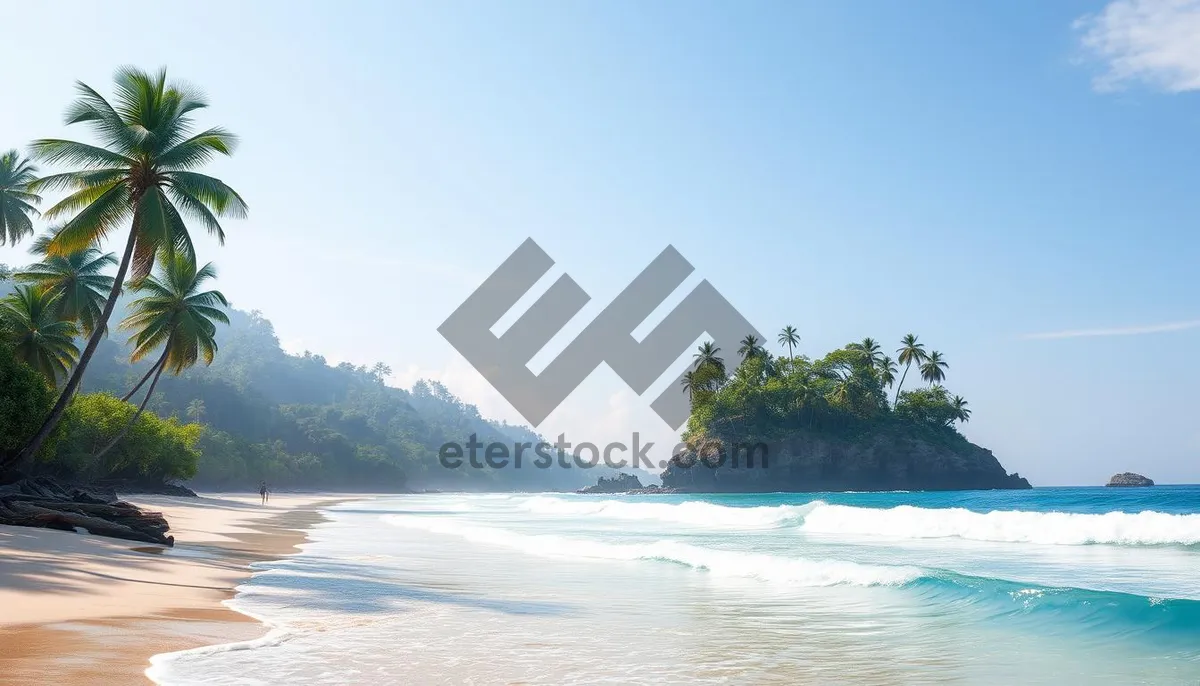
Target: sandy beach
pixel 81 609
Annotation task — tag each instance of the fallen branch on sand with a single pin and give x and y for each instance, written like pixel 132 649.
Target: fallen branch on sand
pixel 43 502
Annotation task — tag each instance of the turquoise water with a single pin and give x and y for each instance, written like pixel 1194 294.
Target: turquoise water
pixel 1054 586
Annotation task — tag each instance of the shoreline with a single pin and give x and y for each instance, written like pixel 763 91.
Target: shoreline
pixel 79 609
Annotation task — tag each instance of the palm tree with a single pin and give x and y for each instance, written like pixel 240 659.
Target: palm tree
pixel 689 383
pixel 841 390
pixel 29 319
pixel 177 315
pixel 887 371
pixel 143 176
pixel 933 369
pixel 196 410
pixel 750 347
pixel 16 199
pixel 910 351
pixel 76 278
pixel 706 355
pixel 790 338
pixel 960 408
pixel 870 351
pixel 804 399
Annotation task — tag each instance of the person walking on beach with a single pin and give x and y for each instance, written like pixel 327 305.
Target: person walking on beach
pixel 262 491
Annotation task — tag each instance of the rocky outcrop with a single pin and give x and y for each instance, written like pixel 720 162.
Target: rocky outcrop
pixel 1129 479
pixel 146 488
pixel 652 489
pixel 626 484
pixel 887 460
pixel 620 483
pixel 43 502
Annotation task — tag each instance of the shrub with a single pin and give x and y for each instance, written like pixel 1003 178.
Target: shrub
pixel 25 400
pixel 154 449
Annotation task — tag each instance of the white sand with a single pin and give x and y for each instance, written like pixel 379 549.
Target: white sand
pixel 76 607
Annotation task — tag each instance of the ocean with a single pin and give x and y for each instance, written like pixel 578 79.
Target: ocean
pixel 1048 586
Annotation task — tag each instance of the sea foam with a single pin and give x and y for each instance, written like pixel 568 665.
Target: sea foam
pixel 692 512
pixel 1011 526
pixel 905 521
pixel 794 571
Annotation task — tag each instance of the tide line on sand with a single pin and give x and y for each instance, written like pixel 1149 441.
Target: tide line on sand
pixel 79 608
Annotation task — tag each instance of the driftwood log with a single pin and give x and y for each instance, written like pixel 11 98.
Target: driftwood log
pixel 43 502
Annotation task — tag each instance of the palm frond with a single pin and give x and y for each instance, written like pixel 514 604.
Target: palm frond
pixel 77 180
pixel 59 151
pixel 80 199
pixel 199 149
pixel 192 207
pixel 92 224
pixel 214 193
pixel 94 109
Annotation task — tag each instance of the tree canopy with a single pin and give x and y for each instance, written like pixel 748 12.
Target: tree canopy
pixel 18 204
pixel 142 178
pixel 30 323
pixel 766 398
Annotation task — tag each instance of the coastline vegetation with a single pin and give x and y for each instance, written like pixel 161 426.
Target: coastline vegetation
pixel 140 179
pixel 77 405
pixel 300 421
pixel 845 392
pixel 259 413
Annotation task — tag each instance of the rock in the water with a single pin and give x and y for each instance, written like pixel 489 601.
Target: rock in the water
pixel 1129 479
pixel 620 483
pixel 627 484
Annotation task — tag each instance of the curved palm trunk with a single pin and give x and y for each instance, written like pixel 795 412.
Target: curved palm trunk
pixel 76 376
pixel 158 370
pixel 139 384
pixel 897 398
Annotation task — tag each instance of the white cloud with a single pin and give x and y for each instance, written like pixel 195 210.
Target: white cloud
pixel 1118 331
pixel 1156 42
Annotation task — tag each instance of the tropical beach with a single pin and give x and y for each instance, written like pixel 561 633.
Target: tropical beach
pixel 78 609
pixel 875 589
pixel 600 343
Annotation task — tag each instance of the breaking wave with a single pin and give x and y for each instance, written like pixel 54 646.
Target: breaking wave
pixel 905 521
pixel 794 571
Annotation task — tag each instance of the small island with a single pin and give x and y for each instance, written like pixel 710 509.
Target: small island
pixel 842 422
pixel 1127 479
pixel 624 483
pixel 614 484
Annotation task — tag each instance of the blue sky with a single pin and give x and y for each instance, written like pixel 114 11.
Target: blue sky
pixel 975 173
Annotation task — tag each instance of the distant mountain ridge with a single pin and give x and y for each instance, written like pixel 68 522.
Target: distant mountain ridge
pixel 297 421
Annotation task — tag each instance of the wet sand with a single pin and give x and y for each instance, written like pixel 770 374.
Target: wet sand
pixel 81 609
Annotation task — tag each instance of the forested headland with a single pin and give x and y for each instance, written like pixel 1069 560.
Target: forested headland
pixel 258 413
pixel 844 421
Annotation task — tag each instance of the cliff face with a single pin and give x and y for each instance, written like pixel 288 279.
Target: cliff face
pixel 884 461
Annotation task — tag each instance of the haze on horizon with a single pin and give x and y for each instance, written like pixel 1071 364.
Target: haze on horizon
pixel 1015 183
